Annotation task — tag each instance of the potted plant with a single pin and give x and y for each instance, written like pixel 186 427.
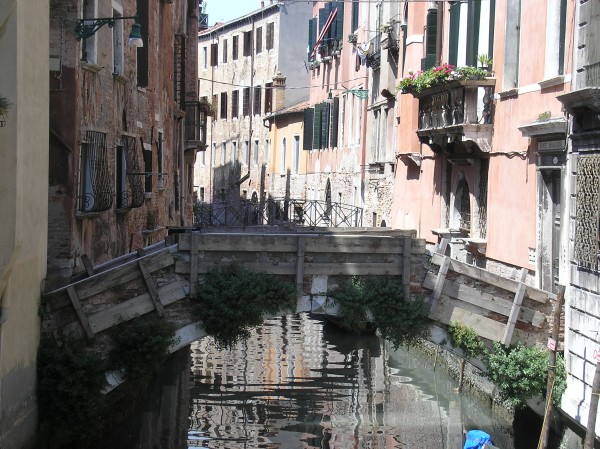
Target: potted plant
pixel 485 62
pixel 353 38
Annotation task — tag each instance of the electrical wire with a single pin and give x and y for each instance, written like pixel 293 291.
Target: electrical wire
pixel 315 86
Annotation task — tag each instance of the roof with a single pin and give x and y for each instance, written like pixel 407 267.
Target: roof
pixel 295 108
pixel 238 22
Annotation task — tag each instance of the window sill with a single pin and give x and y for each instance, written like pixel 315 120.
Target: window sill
pixel 90 67
pixel 508 93
pixel 119 78
pixel 152 231
pixel 122 210
pixel 551 82
pixel 148 195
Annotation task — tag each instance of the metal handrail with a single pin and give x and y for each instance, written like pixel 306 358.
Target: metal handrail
pixel 277 212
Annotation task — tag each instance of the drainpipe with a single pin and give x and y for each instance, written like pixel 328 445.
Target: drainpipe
pixel 251 98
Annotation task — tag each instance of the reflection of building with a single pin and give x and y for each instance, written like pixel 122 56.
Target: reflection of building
pixel 125 126
pixel 24 212
pixel 288 385
pixel 248 69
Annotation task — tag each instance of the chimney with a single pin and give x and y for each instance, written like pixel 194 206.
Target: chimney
pixel 271 2
pixel 279 91
pixel 262 3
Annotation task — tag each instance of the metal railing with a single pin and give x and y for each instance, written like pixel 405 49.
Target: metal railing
pixel 277 212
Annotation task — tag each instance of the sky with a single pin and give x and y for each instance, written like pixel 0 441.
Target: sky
pixel 226 10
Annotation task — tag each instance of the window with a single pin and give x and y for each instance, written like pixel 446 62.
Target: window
pixel 88 46
pixel 214 54
pixel 268 98
pixel 213 156
pixel 258 40
pixel 267 150
pixel 148 168
pixel 255 152
pixel 270 35
pixel 223 153
pixel 204 57
pixel 202 158
pixel 461 217
pixel 257 100
pixel 160 160
pixel 431 32
pixel 234 150
pixel 283 155
pixel 322 123
pixel 247 43
pixel 201 194
pixel 510 78
pixel 118 43
pixel 121 177
pixel 234 47
pixel 312 38
pixel 296 155
pixel 224 105
pixel 555 38
pixel 246 102
pixel 215 102
pixel 309 114
pixel 224 50
pixel 355 11
pixel 235 103
pixel 245 153
pixel 586 228
pixel 142 52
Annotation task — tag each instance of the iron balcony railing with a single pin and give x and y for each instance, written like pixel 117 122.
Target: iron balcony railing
pixel 274 212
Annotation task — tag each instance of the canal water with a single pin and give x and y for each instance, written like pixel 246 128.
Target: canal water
pixel 299 382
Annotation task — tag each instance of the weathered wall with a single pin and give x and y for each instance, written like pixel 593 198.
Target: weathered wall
pixel 99 96
pixel 23 216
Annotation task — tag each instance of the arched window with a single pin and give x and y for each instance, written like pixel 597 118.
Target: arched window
pixel 461 217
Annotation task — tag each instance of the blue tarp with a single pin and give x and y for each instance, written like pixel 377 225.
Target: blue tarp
pixel 476 439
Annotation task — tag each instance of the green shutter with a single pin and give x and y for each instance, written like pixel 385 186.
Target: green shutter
pixel 454 34
pixel 335 112
pixel 312 31
pixel 316 141
pixel 355 11
pixel 561 42
pixel 309 114
pixel 431 36
pixel 324 125
pixel 473 22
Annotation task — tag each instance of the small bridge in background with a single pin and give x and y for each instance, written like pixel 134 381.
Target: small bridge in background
pixel 277 212
pixel 164 277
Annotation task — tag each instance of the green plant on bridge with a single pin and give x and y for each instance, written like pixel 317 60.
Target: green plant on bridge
pixel 400 321
pixel 232 300
pixel 141 346
pixel 466 338
pixel 69 392
pixel 521 372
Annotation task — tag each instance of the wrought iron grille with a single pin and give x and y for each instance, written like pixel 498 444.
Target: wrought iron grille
pixel 134 197
pixel 276 212
pixel 95 175
pixel 179 71
pixel 588 198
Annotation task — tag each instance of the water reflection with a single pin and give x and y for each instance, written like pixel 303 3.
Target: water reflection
pixel 298 383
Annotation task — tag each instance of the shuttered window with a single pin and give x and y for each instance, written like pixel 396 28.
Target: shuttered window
pixel 309 115
pixel 246 102
pixel 258 40
pixel 224 105
pixel 324 125
pixel 224 50
pixel 335 112
pixel 214 54
pixel 235 45
pixel 316 140
pixel 257 100
pixel 247 43
pixel 268 98
pixel 235 103
pixel 355 10
pixel 142 52
pixel 454 33
pixel 270 35
pixel 312 37
pixel 430 40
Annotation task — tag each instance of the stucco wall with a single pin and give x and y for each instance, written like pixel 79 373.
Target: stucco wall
pixel 23 202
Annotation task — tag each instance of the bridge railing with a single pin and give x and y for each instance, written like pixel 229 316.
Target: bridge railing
pixel 277 211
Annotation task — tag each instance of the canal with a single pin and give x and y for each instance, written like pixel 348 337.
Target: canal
pixel 299 382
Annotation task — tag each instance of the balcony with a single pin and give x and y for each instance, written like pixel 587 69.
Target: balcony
pixel 195 124
pixel 457 110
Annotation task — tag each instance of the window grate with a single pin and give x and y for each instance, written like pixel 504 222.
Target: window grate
pixel 588 197
pixel 482 203
pixel 134 197
pixel 96 178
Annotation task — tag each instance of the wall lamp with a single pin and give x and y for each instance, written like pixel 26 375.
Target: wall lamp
pixel 87 28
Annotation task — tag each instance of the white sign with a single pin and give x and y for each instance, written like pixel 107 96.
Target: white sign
pixel 597 355
pixel 552 344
